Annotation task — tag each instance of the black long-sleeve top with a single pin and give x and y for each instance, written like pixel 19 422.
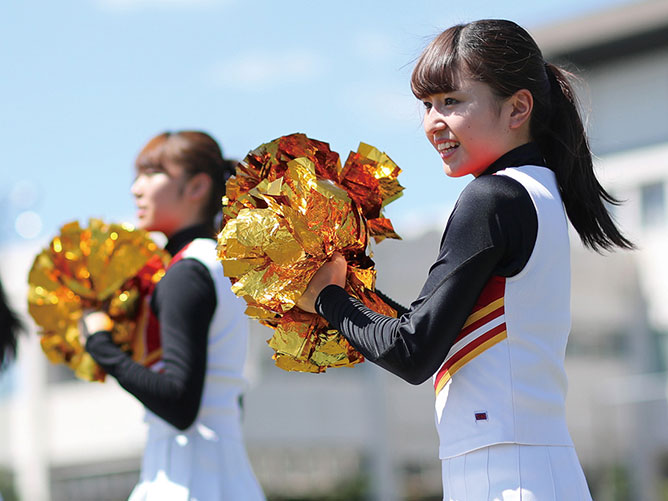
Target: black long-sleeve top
pixel 184 302
pixel 491 231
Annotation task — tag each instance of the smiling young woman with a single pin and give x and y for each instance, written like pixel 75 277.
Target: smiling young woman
pixel 491 323
pixel 470 127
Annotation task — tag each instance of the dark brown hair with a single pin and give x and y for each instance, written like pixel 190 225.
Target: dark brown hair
pixel 503 55
pixel 195 152
pixel 10 326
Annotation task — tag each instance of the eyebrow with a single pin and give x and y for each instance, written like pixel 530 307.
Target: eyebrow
pixel 147 166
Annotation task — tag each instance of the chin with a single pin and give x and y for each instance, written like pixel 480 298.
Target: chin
pixel 452 173
pixel 462 172
pixel 143 225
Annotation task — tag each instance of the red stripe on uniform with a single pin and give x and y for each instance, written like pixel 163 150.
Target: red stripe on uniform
pixel 493 292
pixel 479 323
pixel 466 350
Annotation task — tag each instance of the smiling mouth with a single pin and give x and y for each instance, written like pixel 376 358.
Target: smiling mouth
pixel 447 146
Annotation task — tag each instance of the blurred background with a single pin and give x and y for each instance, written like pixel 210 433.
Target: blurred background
pixel 87 82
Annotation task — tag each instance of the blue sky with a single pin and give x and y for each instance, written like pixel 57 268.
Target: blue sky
pixel 85 83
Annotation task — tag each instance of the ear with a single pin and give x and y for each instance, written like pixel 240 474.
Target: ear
pixel 198 187
pixel 521 106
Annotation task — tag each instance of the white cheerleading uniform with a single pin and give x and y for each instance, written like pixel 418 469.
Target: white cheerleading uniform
pixel 503 380
pixel 208 460
pixel 195 450
pixel 490 328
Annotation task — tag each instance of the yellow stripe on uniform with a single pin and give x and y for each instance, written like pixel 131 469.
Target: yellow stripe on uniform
pixel 468 357
pixel 477 315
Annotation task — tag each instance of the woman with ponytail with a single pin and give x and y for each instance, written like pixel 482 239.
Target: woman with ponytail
pixel 491 323
pixel 192 395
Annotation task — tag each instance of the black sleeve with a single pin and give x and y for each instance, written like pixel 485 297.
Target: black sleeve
pixel 184 302
pixel 491 231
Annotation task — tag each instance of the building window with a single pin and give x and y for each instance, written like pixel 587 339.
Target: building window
pixel 653 205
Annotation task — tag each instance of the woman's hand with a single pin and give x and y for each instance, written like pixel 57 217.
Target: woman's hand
pixel 332 272
pixel 93 321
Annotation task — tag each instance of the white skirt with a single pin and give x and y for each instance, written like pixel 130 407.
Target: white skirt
pixel 195 465
pixel 512 472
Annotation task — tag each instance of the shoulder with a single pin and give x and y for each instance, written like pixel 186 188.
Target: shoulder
pixel 186 284
pixel 492 194
pixel 201 249
pixel 198 255
pixel 492 208
pixel 495 187
pixel 186 272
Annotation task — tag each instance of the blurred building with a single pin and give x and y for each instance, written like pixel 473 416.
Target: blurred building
pixel 617 353
pixel 361 433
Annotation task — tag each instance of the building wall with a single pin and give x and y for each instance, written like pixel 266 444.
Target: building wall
pixel 640 177
pixel 628 99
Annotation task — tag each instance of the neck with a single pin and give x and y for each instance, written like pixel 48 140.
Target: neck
pixel 526 154
pixel 185 235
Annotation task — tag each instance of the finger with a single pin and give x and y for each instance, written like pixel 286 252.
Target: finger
pixel 337 257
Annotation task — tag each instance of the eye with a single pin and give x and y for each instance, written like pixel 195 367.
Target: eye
pixel 448 101
pixel 427 105
pixel 149 171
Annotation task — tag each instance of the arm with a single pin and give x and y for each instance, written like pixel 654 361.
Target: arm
pixel 184 302
pixel 399 308
pixel 491 231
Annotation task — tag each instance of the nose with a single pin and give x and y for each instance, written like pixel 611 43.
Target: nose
pixel 433 122
pixel 135 189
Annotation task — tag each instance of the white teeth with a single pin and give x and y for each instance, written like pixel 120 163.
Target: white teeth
pixel 446 145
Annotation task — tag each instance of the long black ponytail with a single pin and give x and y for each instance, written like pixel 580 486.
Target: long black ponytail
pixel 503 55
pixel 563 142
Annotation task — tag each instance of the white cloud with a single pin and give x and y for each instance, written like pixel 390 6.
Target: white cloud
pixel 257 71
pixel 128 5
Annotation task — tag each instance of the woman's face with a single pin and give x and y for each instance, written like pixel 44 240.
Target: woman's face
pixel 468 127
pixel 159 197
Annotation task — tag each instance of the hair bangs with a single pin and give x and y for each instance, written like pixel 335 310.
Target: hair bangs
pixel 439 68
pixel 152 155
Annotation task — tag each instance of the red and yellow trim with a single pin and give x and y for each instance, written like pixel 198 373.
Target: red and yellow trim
pixel 490 306
pixel 146 348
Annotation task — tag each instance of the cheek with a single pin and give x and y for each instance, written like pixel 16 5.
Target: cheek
pixel 160 198
pixel 425 125
pixel 158 188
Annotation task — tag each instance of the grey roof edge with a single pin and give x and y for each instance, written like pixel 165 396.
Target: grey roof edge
pixel 636 24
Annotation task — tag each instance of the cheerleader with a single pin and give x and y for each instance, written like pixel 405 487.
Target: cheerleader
pixel 491 323
pixel 192 396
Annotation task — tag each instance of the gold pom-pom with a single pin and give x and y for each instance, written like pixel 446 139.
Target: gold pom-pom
pixel 290 206
pixel 104 266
